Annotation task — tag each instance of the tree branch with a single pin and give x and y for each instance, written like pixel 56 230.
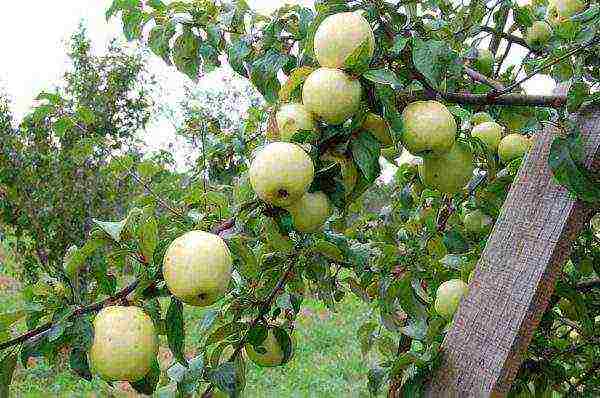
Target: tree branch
pixel 485 99
pixel 508 37
pixel 589 285
pixel 481 78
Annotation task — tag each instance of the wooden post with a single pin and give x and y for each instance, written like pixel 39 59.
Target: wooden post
pixel 516 274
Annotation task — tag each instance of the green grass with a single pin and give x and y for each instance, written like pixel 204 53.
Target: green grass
pixel 327 360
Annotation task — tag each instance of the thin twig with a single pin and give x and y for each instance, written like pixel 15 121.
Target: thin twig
pixel 160 200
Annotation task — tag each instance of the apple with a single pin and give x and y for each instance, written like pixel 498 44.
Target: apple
pixel 538 34
pixel 513 146
pixel 490 133
pixel 476 221
pixel 274 355
pixel 377 126
pixel 481 117
pixel 197 268
pixel 331 95
pixel 428 128
pixel 339 35
pixel 310 212
pixel 281 173
pixel 450 172
pixel 565 9
pixel 125 344
pixel 292 118
pixel 574 336
pixel 448 297
pixel 484 63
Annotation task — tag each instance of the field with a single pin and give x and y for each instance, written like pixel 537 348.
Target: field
pixel 327 363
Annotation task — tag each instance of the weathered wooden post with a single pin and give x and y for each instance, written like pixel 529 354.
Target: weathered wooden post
pixel 516 274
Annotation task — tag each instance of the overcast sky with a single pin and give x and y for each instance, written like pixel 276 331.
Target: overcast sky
pixel 33 51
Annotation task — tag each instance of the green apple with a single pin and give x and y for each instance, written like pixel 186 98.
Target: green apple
pixel 450 172
pixel 565 9
pixel 490 133
pixel 274 355
pixel 574 336
pixel 339 35
pixel 380 129
pixel 481 117
pixel 331 95
pixel 125 344
pixel 197 268
pixel 292 118
pixel 281 173
pixel 448 297
pixel 538 34
pixel 476 221
pixel 484 63
pixel 513 146
pixel 428 128
pixel 310 212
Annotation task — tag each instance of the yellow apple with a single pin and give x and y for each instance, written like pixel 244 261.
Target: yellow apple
pixel 292 118
pixel 490 133
pixel 377 126
pixel 538 34
pixel 274 355
pixel 450 172
pixel 331 95
pixel 339 35
pixel 428 128
pixel 448 297
pixel 513 146
pixel 310 212
pixel 125 344
pixel 197 268
pixel 481 117
pixel 281 173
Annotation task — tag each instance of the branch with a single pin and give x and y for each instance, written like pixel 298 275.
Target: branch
pixel 510 38
pixel 486 99
pixel 160 200
pixel 75 314
pixel 589 285
pixel 481 78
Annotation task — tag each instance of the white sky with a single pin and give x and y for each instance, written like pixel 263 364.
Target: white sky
pixel 33 52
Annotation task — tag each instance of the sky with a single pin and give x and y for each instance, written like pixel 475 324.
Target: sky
pixel 34 59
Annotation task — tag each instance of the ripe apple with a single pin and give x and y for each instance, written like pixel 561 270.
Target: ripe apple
pixel 490 133
pixel 281 173
pixel 513 146
pixel 476 221
pixel 310 212
pixel 377 126
pixel 197 268
pixel 448 297
pixel 274 355
pixel 484 63
pixel 565 9
pixel 125 344
pixel 331 95
pixel 538 34
pixel 481 117
pixel 428 128
pixel 450 172
pixel 292 118
pixel 339 35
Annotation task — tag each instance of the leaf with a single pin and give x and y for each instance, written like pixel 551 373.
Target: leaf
pixel 383 76
pixel 78 362
pixel 294 82
pixel 176 330
pixel 186 54
pixel 275 239
pixel 148 384
pixel 329 250
pixel 148 238
pixel 285 342
pixel 432 58
pixel 113 229
pixel 7 368
pixel 237 53
pixel 376 377
pixel 257 335
pixel 565 160
pixel 359 60
pixel 400 43
pixel 159 38
pixel 120 5
pixel 577 95
pixel 133 21
pixel 224 378
pixel 264 74
pixel 192 378
pixel 62 125
pixel 365 151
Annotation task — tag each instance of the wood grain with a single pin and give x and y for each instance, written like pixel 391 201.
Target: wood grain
pixel 516 274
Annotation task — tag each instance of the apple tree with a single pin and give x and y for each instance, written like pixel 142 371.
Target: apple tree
pixel 347 83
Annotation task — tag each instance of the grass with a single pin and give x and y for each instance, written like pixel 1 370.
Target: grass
pixel 327 361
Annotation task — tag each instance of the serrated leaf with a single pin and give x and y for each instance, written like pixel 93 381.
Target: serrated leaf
pixel 366 150
pixel 432 58
pixel 176 330
pixel 148 238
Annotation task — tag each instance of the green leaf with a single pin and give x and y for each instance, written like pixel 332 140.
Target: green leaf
pixel 285 342
pixel 121 5
pixel 78 362
pixel 329 250
pixel 186 54
pixel 176 330
pixel 148 238
pixel 62 126
pixel 577 95
pixel 264 74
pixel 133 21
pixel 359 60
pixel 566 161
pixel 257 335
pixel 86 115
pixel 383 76
pixel 432 58
pixel 400 43
pixel 275 239
pixel 113 229
pixel 366 150
pixel 7 368
pixel 159 39
pixel 192 378
pixel 148 384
